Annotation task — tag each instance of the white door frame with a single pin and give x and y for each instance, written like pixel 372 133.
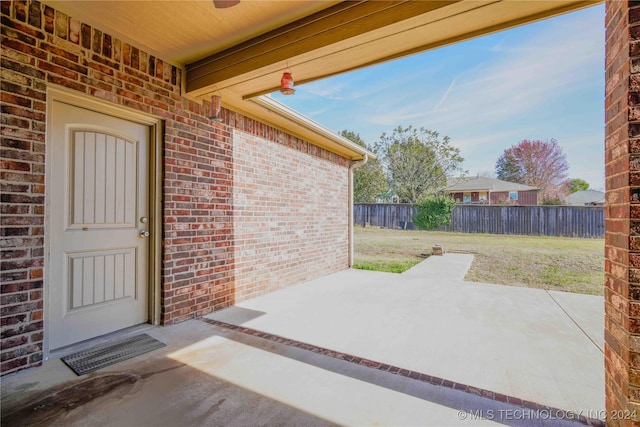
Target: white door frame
pixel 60 94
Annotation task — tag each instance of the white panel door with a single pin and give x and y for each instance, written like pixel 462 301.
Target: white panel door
pixel 99 205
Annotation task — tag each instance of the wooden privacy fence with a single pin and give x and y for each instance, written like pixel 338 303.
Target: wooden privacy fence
pixel 385 215
pixel 562 221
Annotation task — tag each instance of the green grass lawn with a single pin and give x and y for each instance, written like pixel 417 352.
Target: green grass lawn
pixel 558 263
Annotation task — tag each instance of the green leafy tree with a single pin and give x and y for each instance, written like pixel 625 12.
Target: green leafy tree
pixel 368 180
pixel 418 162
pixel 507 168
pixel 551 202
pixel 434 211
pixel 577 184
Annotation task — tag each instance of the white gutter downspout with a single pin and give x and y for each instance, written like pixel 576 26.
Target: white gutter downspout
pixel 353 166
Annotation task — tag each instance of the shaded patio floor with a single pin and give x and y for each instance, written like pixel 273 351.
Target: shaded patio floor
pixel 543 347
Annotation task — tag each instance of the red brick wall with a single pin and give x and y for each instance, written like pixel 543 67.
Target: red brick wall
pixel 499 197
pixel 290 223
pixel 622 211
pixel 525 198
pixel 41 46
pixel 528 198
pixel 197 253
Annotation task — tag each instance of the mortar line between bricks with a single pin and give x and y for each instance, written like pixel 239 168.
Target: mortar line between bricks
pixel 395 370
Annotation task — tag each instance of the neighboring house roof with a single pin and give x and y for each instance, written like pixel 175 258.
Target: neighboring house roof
pixel 586 197
pixel 482 183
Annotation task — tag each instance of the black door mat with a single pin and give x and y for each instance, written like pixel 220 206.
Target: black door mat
pixel 104 355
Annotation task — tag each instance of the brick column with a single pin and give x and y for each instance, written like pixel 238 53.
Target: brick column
pixel 622 213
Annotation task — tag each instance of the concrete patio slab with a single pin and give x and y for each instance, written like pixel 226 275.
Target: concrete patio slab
pixel 541 346
pixel 586 311
pixel 535 345
pixel 211 376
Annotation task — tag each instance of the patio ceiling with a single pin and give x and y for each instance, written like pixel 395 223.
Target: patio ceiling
pixel 242 51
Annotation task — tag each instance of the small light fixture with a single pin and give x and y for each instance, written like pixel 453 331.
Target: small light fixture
pixel 286 84
pixel 216 106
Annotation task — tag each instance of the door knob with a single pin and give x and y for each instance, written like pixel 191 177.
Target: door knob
pixel 144 233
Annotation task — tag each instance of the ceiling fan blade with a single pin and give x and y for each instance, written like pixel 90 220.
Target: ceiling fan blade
pixel 223 4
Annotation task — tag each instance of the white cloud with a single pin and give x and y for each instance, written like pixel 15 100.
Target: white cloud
pixel 487 94
pixel 522 77
pixel 446 94
pixel 332 89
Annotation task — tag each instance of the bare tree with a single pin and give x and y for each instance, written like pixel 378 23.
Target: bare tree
pixel 540 164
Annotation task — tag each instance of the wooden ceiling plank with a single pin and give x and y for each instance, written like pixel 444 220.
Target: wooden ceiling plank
pixel 354 65
pixel 325 32
pixel 273 34
pixel 485 30
pixel 317 35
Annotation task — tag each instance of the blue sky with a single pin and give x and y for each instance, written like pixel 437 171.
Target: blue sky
pixel 540 81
